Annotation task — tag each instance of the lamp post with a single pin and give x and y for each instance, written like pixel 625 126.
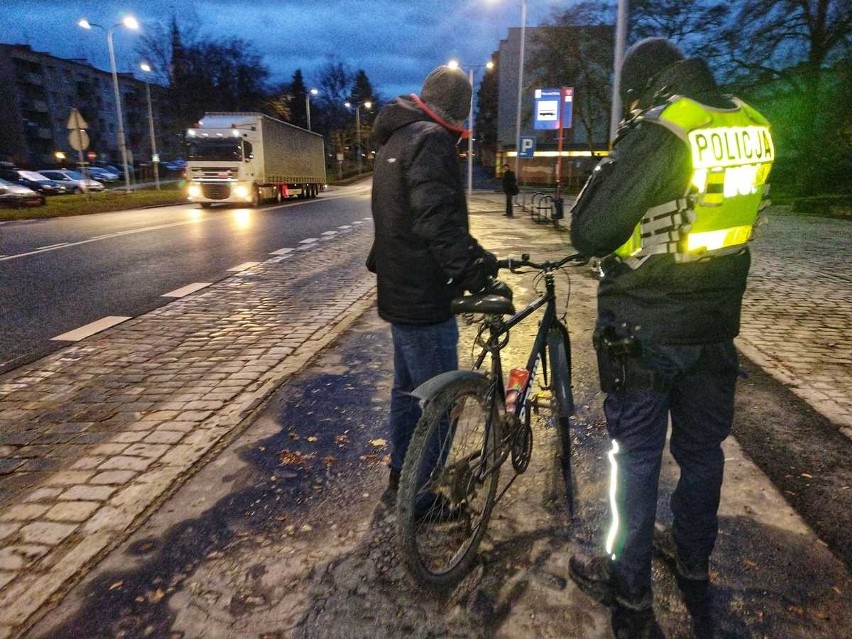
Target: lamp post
pixel 520 86
pixel 155 161
pixel 620 39
pixel 131 23
pixel 308 95
pixel 455 65
pixel 367 105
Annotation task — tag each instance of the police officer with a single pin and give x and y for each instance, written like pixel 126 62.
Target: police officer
pixel 670 211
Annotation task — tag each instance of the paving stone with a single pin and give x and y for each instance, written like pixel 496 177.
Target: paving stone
pixel 23 512
pixel 118 477
pixel 87 492
pixel 69 478
pixel 72 511
pixel 43 494
pixel 125 462
pixel 46 533
pixel 165 436
pixel 7 530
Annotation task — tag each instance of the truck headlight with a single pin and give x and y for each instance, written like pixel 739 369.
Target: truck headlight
pixel 241 192
pixel 194 190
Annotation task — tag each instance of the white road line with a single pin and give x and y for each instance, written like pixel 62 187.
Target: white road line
pixel 309 240
pixel 244 266
pixel 282 251
pixel 330 233
pixel 186 290
pixel 98 238
pixel 344 227
pixel 90 329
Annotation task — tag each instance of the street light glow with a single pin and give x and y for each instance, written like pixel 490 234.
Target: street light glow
pixel 131 23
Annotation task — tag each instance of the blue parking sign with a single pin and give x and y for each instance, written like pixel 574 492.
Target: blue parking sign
pixel 526 148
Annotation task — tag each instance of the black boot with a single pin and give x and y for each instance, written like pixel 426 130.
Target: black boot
pixel 632 614
pixel 694 584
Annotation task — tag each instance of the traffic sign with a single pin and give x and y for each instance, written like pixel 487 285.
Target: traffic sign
pixel 526 148
pixel 76 121
pixel 78 139
pixel 547 108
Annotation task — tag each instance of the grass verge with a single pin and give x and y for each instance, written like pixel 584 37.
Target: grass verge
pixel 105 201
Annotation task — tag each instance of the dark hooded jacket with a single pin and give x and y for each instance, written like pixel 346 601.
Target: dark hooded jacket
pixel 423 254
pixel 661 301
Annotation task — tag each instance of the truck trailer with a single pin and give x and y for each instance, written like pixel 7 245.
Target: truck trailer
pixel 251 158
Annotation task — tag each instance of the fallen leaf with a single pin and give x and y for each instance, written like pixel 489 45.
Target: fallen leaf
pixel 117 584
pixel 379 443
pixel 806 476
pixel 155 596
pixel 312 438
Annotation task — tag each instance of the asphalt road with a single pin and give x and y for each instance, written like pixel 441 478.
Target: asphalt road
pixel 58 275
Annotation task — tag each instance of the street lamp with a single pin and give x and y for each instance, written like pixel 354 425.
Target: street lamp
pixel 155 161
pixel 131 23
pixel 367 105
pixel 453 64
pixel 308 95
pixel 520 87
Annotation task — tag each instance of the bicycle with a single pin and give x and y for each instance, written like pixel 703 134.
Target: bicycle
pixel 472 424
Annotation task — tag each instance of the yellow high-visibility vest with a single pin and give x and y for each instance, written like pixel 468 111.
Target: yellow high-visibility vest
pixel 731 152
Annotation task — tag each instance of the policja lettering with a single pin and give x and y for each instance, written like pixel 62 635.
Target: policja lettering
pixel 730 146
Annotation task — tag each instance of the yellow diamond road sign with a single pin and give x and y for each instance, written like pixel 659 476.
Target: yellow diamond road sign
pixel 76 121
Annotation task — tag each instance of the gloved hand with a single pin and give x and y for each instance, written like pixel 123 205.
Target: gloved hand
pixel 488 263
pixel 496 287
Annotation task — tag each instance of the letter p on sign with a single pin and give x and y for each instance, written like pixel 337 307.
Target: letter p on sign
pixel 526 149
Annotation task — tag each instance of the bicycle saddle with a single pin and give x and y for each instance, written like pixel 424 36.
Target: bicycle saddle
pixel 488 303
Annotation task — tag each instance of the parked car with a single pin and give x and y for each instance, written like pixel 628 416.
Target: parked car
pixel 17 196
pixel 102 175
pixel 72 177
pixel 35 181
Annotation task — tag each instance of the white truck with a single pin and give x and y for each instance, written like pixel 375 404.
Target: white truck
pixel 251 158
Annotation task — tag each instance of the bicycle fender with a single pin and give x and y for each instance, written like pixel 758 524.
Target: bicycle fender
pixel 427 390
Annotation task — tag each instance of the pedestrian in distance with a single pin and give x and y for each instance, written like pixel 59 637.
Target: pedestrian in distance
pixel 670 211
pixel 423 254
pixel 510 188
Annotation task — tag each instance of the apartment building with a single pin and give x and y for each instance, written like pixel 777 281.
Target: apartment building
pixel 37 93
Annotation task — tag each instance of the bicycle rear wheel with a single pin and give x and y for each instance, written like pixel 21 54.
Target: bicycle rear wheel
pixel 448 483
pixel 562 399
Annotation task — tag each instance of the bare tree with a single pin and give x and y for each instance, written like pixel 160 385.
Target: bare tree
pixel 575 49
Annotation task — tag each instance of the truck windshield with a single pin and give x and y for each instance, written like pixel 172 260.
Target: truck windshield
pixel 228 150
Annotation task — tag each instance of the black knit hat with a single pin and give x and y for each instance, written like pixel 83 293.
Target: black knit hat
pixel 642 62
pixel 447 92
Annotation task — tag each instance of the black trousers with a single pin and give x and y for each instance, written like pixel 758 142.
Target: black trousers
pixel 509 205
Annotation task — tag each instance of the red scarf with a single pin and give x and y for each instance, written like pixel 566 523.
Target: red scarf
pixel 464 133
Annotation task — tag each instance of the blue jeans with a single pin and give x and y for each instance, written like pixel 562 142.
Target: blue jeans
pixel 700 401
pixel 419 353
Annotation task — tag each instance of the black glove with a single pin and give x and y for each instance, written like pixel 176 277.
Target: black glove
pixel 488 263
pixel 496 287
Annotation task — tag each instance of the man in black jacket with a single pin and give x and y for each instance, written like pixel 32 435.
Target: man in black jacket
pixel 670 213
pixel 423 254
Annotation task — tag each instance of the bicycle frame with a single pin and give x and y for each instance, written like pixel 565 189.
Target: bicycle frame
pixel 499 327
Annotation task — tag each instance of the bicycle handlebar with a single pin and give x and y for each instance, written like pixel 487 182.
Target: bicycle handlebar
pixel 513 263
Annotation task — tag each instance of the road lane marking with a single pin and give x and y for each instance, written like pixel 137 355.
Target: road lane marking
pixel 282 251
pixel 243 267
pixel 186 290
pixel 330 233
pixel 98 238
pixel 90 329
pixel 344 227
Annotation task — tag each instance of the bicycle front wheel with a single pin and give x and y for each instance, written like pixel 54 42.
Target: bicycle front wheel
pixel 449 482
